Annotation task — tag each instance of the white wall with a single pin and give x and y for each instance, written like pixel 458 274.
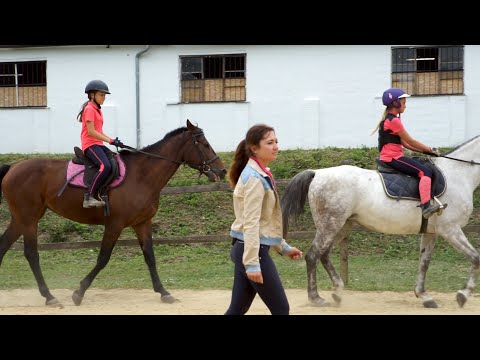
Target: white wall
pixel 69 69
pixel 314 95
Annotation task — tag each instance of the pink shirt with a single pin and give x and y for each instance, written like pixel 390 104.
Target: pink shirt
pixel 91 113
pixel 392 151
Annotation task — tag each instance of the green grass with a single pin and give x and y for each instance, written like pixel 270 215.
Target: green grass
pixel 376 262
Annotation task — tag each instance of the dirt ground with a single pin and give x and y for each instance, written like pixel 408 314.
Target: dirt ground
pixel 215 302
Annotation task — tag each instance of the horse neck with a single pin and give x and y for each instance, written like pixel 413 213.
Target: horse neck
pixel 468 152
pixel 160 171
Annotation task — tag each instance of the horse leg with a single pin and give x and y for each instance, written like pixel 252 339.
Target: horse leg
pixel 30 247
pixel 144 236
pixel 325 236
pixel 110 237
pixel 31 254
pixel 10 235
pixel 455 236
pixel 311 259
pixel 319 249
pixel 426 249
pixel 337 281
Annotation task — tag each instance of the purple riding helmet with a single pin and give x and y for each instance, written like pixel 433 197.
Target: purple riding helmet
pixel 393 94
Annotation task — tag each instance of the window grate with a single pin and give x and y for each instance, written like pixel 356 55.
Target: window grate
pixel 428 70
pixel 211 78
pixel 23 84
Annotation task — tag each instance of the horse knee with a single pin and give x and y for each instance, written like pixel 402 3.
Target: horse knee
pixel 102 260
pixel 476 261
pixel 311 258
pixel 30 254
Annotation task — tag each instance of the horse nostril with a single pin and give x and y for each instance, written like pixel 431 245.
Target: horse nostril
pixel 224 172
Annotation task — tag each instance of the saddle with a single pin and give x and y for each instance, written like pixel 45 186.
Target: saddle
pixel 81 171
pixel 398 185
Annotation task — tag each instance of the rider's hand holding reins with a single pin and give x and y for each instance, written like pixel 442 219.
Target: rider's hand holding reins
pixel 434 152
pixel 116 142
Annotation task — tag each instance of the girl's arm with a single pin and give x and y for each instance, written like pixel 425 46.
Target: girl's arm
pixel 412 144
pixel 94 133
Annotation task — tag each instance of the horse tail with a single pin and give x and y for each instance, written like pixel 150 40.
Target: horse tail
pixel 3 171
pixel 295 196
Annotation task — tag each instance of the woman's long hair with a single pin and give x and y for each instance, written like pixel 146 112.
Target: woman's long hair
pixel 244 151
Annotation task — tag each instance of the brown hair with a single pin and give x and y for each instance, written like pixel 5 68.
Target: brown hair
pixel 79 116
pixel 243 152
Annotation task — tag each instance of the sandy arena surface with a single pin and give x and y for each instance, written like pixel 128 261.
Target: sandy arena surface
pixel 215 302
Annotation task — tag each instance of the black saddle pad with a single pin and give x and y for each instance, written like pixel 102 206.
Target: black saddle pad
pixel 400 186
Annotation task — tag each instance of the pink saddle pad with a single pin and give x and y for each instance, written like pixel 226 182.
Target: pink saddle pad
pixel 77 180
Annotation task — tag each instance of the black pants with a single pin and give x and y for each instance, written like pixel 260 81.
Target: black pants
pixel 97 153
pixel 244 290
pixel 411 167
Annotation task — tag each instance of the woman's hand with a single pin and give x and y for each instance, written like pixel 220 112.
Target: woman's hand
pixel 255 276
pixel 294 253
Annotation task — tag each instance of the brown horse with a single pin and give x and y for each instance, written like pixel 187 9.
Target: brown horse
pixel 32 186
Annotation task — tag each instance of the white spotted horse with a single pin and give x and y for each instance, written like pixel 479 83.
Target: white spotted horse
pixel 343 195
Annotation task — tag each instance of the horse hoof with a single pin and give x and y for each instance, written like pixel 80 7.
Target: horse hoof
pixel 77 299
pixel 430 304
pixel 461 299
pixel 169 299
pixel 54 303
pixel 337 299
pixel 320 302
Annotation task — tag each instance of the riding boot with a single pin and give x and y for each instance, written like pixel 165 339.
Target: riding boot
pixel 89 202
pixel 429 209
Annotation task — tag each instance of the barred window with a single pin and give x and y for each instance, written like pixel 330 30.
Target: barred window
pixel 23 84
pixel 428 70
pixel 213 78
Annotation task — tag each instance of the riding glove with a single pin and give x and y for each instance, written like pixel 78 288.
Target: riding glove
pixel 117 143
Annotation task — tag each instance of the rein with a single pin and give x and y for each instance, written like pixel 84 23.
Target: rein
pixel 150 154
pixel 204 167
pixel 465 161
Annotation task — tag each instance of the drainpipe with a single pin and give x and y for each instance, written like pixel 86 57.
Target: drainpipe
pixel 137 90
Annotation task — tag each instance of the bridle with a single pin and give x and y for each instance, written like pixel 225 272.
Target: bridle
pixel 204 167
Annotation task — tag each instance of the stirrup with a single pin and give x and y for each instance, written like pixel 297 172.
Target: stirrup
pixel 442 206
pixel 89 202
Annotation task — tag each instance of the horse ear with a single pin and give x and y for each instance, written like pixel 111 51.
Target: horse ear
pixel 190 126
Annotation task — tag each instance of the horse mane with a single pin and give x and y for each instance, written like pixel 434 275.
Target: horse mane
pixel 160 142
pixel 461 145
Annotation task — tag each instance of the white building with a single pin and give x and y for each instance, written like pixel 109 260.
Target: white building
pixel 314 95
